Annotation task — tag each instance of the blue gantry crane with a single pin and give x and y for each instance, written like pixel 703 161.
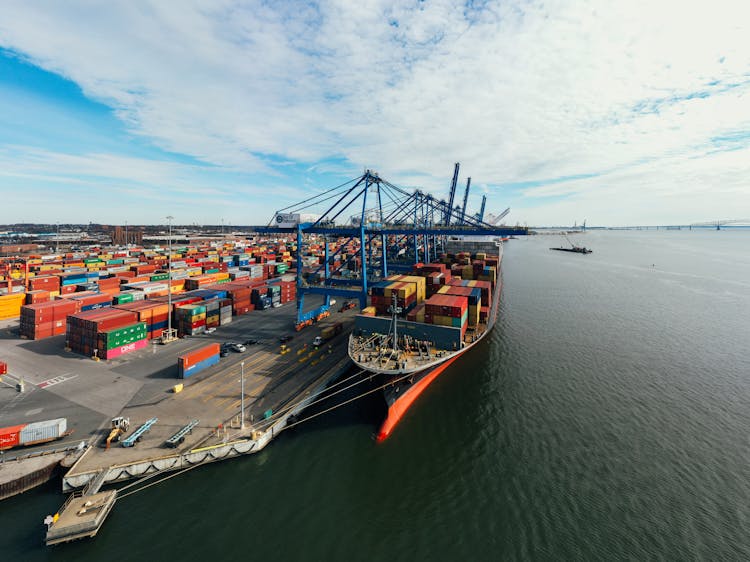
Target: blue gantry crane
pixel 410 227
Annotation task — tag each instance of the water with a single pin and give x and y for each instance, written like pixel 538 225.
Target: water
pixel 606 419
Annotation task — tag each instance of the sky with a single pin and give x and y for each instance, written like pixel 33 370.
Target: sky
pixel 618 113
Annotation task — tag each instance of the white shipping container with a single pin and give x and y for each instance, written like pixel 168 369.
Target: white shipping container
pixel 42 431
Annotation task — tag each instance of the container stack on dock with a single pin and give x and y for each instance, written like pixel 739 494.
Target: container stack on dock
pixel 10 305
pixel 46 319
pixel 155 315
pixel 191 319
pixel 105 333
pixel 198 360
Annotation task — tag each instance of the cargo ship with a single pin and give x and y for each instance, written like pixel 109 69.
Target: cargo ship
pixel 419 324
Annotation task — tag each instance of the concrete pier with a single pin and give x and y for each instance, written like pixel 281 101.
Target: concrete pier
pixel 81 516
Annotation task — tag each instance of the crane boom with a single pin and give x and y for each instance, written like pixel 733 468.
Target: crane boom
pixel 452 194
pixel 466 199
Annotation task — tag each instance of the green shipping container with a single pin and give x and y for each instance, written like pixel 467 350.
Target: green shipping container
pixel 160 277
pixel 123 336
pixel 207 271
pixel 122 298
pixel 114 262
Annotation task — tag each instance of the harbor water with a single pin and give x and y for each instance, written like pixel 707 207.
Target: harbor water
pixel 607 418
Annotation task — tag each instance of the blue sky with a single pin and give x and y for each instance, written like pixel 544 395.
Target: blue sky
pixel 130 111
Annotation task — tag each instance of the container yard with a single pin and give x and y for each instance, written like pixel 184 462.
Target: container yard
pixel 75 323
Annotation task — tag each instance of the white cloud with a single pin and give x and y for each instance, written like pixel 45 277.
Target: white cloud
pixel 515 91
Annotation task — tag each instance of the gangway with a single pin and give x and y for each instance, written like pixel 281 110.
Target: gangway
pixel 179 437
pixel 138 433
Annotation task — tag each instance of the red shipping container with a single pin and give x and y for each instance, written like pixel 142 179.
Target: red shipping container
pixel 9 436
pixel 198 355
pixel 67 289
pixel 3 368
pixel 37 296
pixel 46 283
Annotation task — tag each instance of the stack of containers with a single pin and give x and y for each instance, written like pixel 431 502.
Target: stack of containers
pixel 35 297
pixel 109 285
pixel 260 299
pixel 195 361
pixel 382 296
pixel 191 319
pixel 274 293
pixel 83 328
pixel 484 286
pixel 72 279
pixel 199 281
pixel 225 311
pixel 49 283
pixel 416 314
pixel 436 275
pixel 473 296
pixel 118 341
pixel 240 260
pixel 420 282
pixel 148 288
pixel 256 271
pixel 288 291
pixel 154 314
pixel 46 319
pixel 92 301
pixel 213 315
pixel 447 310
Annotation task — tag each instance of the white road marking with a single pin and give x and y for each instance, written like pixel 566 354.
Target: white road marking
pixel 55 380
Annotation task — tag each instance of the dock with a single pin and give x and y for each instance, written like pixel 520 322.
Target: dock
pixel 80 517
pixel 171 431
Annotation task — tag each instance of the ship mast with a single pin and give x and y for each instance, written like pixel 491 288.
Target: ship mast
pixel 394 309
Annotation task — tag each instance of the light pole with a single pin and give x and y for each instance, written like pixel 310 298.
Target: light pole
pixel 170 334
pixel 242 397
pixel 57 239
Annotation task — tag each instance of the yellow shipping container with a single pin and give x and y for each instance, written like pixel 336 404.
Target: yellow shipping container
pixel 473 319
pixel 442 320
pixel 10 305
pixel 48 267
pixel 420 284
pixel 369 311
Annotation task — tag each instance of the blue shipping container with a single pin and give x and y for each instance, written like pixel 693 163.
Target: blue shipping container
pixel 198 367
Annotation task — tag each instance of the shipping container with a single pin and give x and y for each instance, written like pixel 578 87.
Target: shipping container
pixel 195 368
pixel 43 431
pixel 9 436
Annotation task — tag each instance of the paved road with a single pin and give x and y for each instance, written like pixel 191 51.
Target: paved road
pixel 90 393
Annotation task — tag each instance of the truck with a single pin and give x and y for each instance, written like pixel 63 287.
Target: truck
pixel 28 434
pixel 328 332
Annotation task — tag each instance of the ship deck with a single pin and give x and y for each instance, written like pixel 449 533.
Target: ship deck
pixel 375 353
